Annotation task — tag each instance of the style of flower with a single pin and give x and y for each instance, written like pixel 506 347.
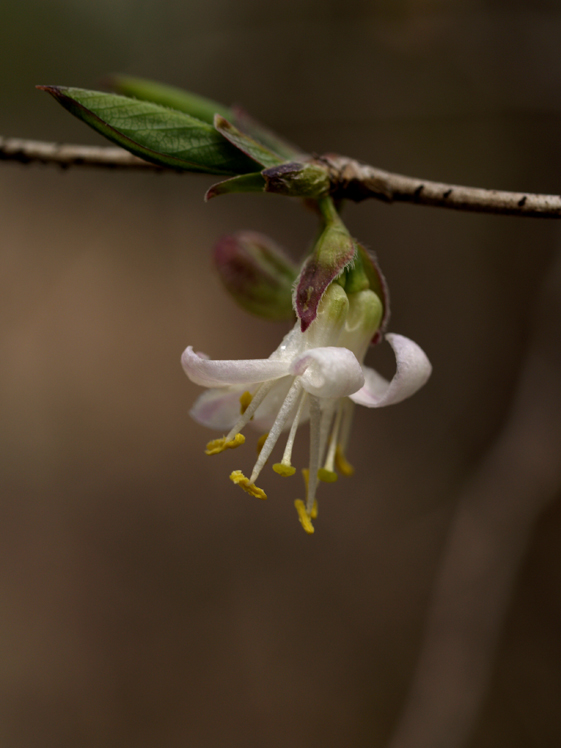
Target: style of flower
pixel 317 375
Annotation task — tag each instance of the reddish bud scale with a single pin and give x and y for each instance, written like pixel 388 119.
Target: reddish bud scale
pixel 334 251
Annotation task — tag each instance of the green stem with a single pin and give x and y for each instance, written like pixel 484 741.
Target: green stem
pixel 328 211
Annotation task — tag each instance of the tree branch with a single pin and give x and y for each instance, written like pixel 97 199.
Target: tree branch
pixel 350 180
pixel 35 151
pixel 354 181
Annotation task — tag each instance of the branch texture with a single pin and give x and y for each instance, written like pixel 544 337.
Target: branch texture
pixel 354 181
pixel 35 151
pixel 350 180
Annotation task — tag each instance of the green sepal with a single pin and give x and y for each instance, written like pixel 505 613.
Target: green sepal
pixel 163 136
pixel 378 284
pixel 244 183
pixel 168 96
pixel 245 143
pixel 354 278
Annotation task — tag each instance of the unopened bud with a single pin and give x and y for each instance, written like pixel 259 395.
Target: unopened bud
pixel 257 274
pixel 295 179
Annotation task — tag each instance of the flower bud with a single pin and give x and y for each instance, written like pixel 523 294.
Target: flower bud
pixel 294 179
pixel 257 274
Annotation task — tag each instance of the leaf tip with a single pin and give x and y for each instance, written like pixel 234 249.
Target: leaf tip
pixel 56 91
pixel 221 123
pixel 211 192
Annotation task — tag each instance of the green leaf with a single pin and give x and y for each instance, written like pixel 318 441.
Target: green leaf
pixel 204 109
pixel 163 136
pixel 169 96
pixel 262 134
pixel 243 183
pixel 245 143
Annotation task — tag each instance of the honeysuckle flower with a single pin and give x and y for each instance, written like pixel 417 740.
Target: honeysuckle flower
pixel 318 375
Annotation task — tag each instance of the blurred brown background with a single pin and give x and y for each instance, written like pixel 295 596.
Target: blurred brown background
pixel 145 601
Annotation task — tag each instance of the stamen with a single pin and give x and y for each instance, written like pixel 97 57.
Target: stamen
pixel 284 467
pixel 304 517
pixel 306 476
pixel 348 411
pixel 248 486
pixel 344 467
pixel 274 433
pixel 216 446
pixel 315 419
pixel 261 441
pixel 327 472
pixel 284 470
pixel 256 401
pixel 245 401
pixel 327 476
pixel 327 412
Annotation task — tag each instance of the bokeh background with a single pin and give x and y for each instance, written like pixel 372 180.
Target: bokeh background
pixel 144 600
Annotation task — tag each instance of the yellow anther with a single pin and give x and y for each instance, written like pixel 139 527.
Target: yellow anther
pixel 314 512
pixel 219 445
pixel 260 442
pixel 327 476
pixel 344 467
pixel 303 516
pixel 240 480
pixel 245 401
pixel 284 470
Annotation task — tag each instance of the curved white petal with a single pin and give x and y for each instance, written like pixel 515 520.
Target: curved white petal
pixel 209 373
pixel 413 370
pixel 218 408
pixel 328 372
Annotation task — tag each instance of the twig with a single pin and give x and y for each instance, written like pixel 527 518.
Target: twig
pixel 350 180
pixel 354 181
pixel 35 151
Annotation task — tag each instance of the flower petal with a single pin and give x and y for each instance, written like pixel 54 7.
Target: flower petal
pixel 210 373
pixel 218 408
pixel 412 372
pixel 328 372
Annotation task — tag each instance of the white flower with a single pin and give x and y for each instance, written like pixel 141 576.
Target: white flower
pixel 316 375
